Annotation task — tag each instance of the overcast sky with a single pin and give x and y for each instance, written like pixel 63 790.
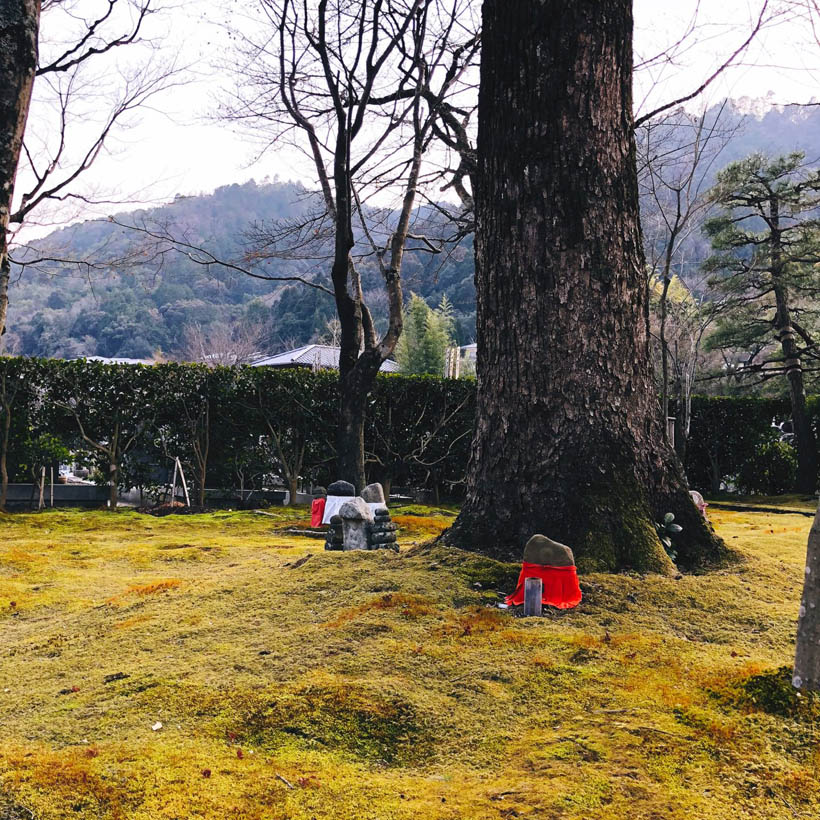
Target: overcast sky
pixel 179 147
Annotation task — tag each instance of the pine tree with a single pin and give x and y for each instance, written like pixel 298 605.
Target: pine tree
pixel 767 243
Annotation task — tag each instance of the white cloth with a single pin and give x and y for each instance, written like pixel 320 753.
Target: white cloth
pixel 333 505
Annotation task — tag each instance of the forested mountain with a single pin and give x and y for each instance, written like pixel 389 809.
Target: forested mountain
pixel 139 303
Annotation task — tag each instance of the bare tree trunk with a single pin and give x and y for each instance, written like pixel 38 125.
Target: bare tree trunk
pixel 293 488
pixel 19 28
pixel 664 355
pixel 568 440
pixel 807 656
pixel 354 389
pixel 803 433
pixel 113 490
pixel 113 469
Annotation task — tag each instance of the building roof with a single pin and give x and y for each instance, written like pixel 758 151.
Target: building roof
pixel 319 357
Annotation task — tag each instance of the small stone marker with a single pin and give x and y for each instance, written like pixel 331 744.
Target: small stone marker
pixel 373 494
pixel 552 565
pixel 383 531
pixel 533 591
pixel 358 522
pixel 335 538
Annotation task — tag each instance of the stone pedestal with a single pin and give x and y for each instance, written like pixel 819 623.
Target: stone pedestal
pixel 383 531
pixel 335 537
pixel 357 520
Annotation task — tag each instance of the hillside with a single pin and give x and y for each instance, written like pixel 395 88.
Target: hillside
pixel 214 666
pixel 142 306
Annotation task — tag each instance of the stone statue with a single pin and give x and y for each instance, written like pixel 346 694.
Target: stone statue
pixel 358 522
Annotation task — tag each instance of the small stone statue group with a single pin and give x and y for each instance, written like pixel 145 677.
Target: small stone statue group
pixel 359 522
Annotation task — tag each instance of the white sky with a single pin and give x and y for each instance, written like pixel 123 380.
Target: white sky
pixel 176 147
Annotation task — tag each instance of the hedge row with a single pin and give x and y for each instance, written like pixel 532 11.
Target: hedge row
pixel 246 427
pixel 239 427
pixel 726 433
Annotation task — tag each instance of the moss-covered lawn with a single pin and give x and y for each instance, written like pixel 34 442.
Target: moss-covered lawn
pixel 294 683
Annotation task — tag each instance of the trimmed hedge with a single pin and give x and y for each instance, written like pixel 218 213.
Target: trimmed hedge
pixel 232 427
pixel 725 433
pixel 239 427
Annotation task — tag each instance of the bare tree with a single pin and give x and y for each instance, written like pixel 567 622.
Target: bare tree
pixel 19 24
pixel 72 50
pixel 221 344
pixel 677 158
pixel 359 88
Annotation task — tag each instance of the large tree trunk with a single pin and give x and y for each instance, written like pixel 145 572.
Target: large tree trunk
pixel 807 657
pixel 568 440
pixel 350 434
pixel 19 26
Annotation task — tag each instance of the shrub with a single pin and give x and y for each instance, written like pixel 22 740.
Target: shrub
pixel 771 470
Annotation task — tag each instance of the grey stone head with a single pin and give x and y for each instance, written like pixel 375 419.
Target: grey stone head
pixel 355 510
pixel 344 488
pixel 545 551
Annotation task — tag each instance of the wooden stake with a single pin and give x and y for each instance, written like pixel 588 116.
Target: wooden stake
pixel 42 487
pixel 533 592
pixel 184 483
pixel 51 488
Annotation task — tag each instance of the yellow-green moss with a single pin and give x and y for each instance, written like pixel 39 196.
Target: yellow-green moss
pixel 375 685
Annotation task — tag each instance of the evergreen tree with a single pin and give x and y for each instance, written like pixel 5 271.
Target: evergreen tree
pixel 428 333
pixel 767 249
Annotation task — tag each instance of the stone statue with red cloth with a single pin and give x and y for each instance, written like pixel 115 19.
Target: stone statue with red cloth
pixel 554 564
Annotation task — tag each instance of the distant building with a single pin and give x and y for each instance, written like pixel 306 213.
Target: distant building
pixel 469 352
pixel 116 360
pixel 316 357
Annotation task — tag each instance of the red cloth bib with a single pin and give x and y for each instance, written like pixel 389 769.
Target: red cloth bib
pixel 561 588
pixel 317 512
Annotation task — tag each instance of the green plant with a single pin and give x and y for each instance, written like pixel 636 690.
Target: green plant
pixel 666 529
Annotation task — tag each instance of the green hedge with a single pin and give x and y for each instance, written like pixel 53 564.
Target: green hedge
pixel 231 427
pixel 235 427
pixel 724 434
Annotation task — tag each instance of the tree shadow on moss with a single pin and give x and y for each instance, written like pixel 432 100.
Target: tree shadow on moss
pixel 377 726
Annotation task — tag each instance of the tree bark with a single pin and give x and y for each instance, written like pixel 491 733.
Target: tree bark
pixel 807 656
pixel 19 27
pixel 293 489
pixel 354 389
pixel 568 440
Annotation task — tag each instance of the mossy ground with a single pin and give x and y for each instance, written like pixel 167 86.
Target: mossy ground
pixel 375 685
